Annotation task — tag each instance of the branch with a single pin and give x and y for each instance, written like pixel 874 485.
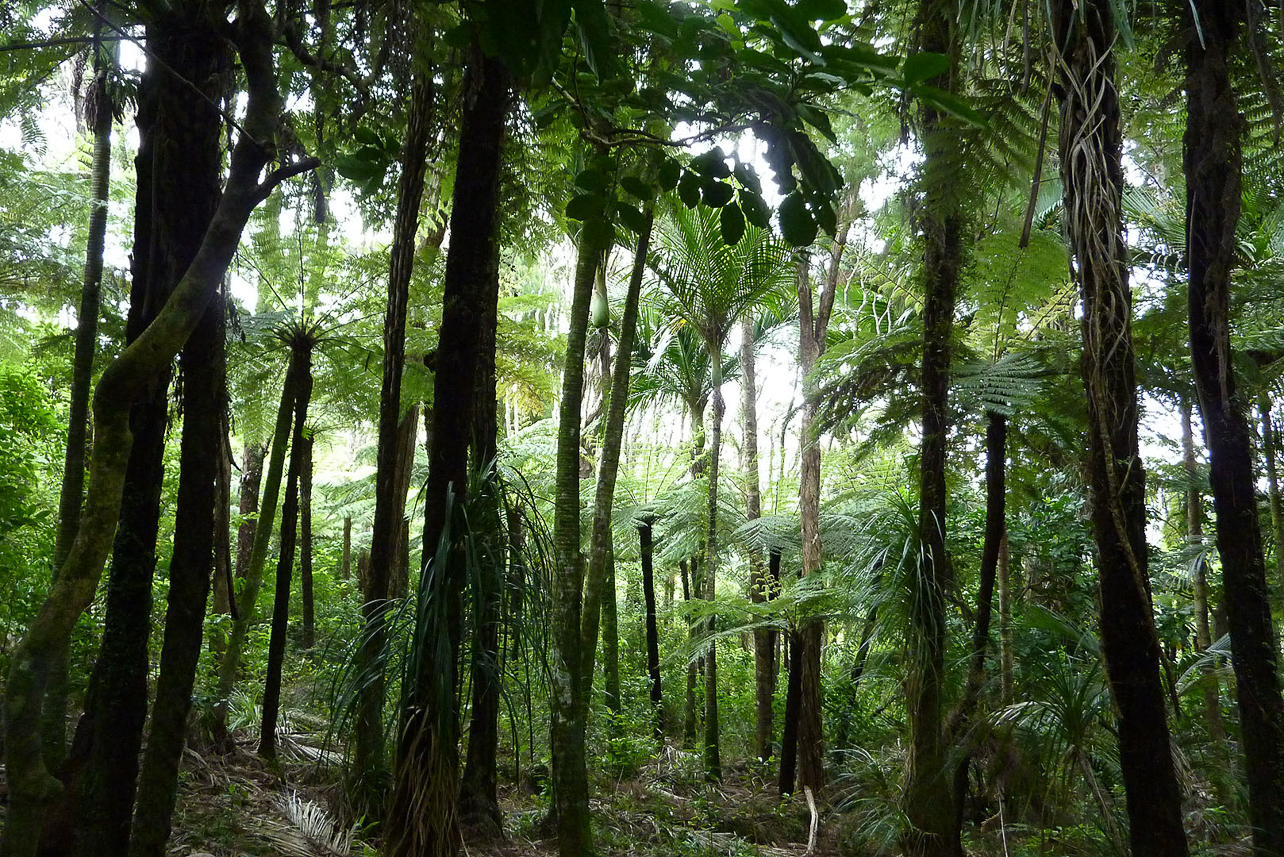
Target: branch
pixel 53 43
pixel 283 173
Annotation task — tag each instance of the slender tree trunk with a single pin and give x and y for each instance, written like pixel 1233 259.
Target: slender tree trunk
pixel 929 804
pixel 369 762
pixel 305 547
pixel 251 482
pixel 793 702
pixel 203 366
pixel 1270 452
pixel 345 565
pixel 301 353
pixel 764 639
pixel 1007 668
pixel 1213 189
pixel 1195 538
pixel 99 106
pixel 222 583
pixel 996 434
pixel 422 818
pixel 646 548
pixel 599 590
pixel 712 738
pixel 1092 177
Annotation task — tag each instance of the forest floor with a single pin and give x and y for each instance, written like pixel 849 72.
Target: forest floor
pixel 237 804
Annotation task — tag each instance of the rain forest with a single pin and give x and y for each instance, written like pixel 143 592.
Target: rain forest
pixel 709 428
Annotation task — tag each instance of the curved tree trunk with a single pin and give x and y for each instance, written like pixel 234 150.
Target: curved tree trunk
pixel 72 492
pixel 189 571
pixel 1213 189
pixel 301 357
pixel 421 819
pixel 370 766
pixel 122 383
pixel 1092 177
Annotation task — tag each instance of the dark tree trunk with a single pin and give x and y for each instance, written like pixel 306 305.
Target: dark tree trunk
pixel 189 572
pixel 647 549
pixel 1092 177
pixel 478 789
pixel 690 715
pixel 929 803
pixel 301 357
pixel 793 702
pixel 369 762
pixel 1213 189
pixel 1270 451
pixel 251 480
pixel 421 818
pixel 222 583
pixel 345 565
pixel 305 545
pixel 996 435
pixel 100 109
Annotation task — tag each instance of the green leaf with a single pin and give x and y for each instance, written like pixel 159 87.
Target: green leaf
pixel 591 180
pixel 821 10
pixel 716 194
pixel 689 189
pixel 949 103
pixel 755 209
pixel 747 176
pixel 796 223
pixel 712 163
pixel 924 66
pixel 631 217
pixel 598 233
pixel 593 26
pixel 733 224
pixel 637 187
pixel 585 207
pixel 817 119
pixel 667 174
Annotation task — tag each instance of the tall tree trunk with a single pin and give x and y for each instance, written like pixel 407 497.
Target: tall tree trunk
pixel 422 817
pixel 813 328
pixel 305 547
pixel 764 639
pixel 99 106
pixel 929 804
pixel 646 548
pixel 1195 539
pixel 301 354
pixel 1092 178
pixel 712 738
pixel 996 435
pixel 1270 452
pixel 369 762
pixel 478 789
pixel 1213 189
pixel 1007 666
pixel 251 482
pixel 600 581
pixel 203 366
pixel 222 583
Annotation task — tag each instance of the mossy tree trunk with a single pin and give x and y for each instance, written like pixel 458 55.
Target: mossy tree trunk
pixel 1213 166
pixel 122 383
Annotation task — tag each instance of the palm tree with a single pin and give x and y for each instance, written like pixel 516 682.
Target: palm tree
pixel 711 284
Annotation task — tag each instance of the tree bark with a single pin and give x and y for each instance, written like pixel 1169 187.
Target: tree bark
pixel 1092 176
pixel 689 712
pixel 1007 665
pixel 421 817
pixel 301 355
pixel 1270 452
pixel 345 564
pixel 928 793
pixel 1212 164
pixel 190 567
pixel 305 546
pixel 72 492
pixel 646 547
pixel 369 763
pixel 793 702
pixel 764 639
pixel 122 383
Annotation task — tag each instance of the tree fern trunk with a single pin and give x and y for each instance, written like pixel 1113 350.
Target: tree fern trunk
pixel 1213 189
